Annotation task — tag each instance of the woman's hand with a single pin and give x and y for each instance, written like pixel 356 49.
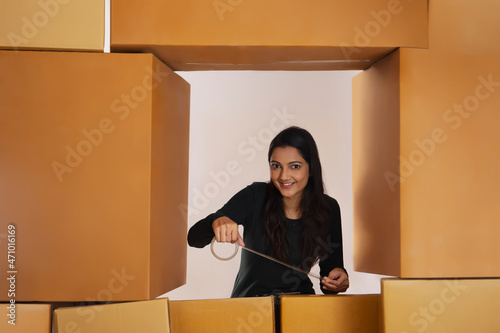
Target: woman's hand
pixel 226 231
pixel 337 280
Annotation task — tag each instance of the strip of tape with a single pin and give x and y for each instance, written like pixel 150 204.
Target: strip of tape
pixel 236 247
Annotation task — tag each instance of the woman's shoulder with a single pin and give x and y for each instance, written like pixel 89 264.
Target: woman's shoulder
pixel 259 189
pixel 258 186
pixel 331 203
pixel 255 190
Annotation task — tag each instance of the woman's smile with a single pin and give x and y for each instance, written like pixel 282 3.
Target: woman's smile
pixel 289 172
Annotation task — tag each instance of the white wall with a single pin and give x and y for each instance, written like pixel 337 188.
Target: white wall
pixel 234 116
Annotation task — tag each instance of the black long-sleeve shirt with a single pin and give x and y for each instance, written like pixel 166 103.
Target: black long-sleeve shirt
pixel 261 276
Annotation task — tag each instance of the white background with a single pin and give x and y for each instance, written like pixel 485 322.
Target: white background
pixel 228 109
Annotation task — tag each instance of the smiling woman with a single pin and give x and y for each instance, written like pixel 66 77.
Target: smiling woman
pixel 289 218
pixel 289 173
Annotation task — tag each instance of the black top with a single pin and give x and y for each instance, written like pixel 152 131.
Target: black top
pixel 260 276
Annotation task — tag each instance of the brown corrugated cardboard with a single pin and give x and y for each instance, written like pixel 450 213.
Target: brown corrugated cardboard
pixel 325 313
pixel 263 35
pixel 146 316
pixel 249 314
pixel 94 172
pixel 376 112
pixel 440 305
pixel 52 25
pixel 464 26
pixel 424 165
pixel 25 318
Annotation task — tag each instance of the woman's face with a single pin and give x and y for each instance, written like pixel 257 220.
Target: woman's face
pixel 289 172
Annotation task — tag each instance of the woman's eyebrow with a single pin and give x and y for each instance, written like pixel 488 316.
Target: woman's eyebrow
pixel 292 162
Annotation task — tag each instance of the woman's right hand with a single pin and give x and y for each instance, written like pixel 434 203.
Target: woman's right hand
pixel 226 231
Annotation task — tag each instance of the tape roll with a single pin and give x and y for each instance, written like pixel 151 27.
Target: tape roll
pixel 236 246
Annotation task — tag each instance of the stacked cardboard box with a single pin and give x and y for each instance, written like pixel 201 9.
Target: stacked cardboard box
pixel 88 142
pixel 441 305
pixel 252 314
pixel 94 167
pixel 52 25
pixel 263 35
pixel 425 148
pixel 25 318
pixel 145 316
pixel 321 314
pixel 424 173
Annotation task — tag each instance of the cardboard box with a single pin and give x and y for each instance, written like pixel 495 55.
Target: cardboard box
pixel 425 168
pixel 95 175
pixel 52 25
pixel 339 313
pixel 147 316
pixel 263 35
pixel 248 314
pixel 464 26
pixel 25 318
pixel 439 305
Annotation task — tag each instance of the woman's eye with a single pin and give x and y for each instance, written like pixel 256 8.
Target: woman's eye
pixel 275 166
pixel 295 166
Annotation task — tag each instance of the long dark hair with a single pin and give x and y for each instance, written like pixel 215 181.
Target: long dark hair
pixel 312 205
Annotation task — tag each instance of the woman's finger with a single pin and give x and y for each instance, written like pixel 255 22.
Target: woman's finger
pixel 225 230
pixel 217 233
pixel 240 240
pixel 337 280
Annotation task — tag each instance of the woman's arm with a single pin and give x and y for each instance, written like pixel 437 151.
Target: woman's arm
pixel 224 223
pixel 335 278
pixel 201 234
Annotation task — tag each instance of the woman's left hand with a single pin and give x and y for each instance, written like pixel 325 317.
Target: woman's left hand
pixel 337 280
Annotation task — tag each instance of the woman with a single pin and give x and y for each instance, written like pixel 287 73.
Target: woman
pixel 290 218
